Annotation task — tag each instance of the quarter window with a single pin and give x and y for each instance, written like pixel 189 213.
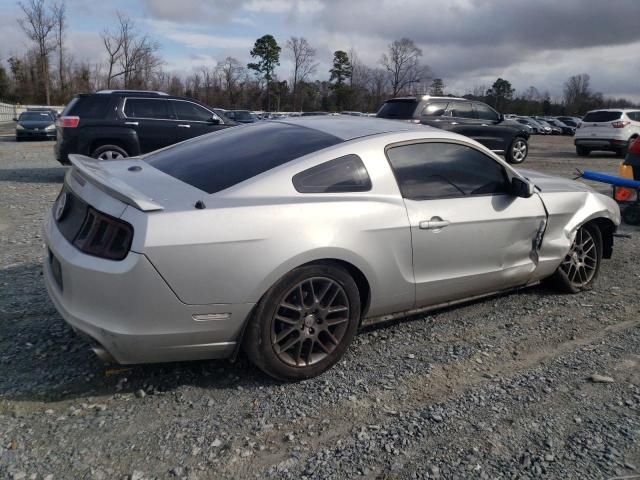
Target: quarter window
pixel 191 111
pixel 343 174
pixel 485 112
pixel 146 108
pixel 427 171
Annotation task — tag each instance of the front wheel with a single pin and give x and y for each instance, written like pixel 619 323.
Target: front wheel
pixel 517 151
pixel 579 269
pixel 109 152
pixel 304 324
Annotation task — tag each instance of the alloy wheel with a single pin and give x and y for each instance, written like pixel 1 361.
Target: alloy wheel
pixel 310 321
pixel 581 262
pixel 519 151
pixel 110 155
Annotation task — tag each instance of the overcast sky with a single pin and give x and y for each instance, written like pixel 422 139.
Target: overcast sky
pixel 468 43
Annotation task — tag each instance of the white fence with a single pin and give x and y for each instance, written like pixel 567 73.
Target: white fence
pixel 8 111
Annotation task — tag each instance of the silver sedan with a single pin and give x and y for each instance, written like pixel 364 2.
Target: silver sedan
pixel 284 237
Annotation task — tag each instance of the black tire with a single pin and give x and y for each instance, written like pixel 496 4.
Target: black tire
pixel 631 215
pixel 582 151
pixel 260 341
pixel 517 151
pixel 109 152
pixel 564 278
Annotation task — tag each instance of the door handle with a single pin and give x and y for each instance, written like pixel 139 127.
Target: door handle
pixel 131 123
pixel 184 126
pixel 435 223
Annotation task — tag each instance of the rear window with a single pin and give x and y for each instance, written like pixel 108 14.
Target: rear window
pixel 94 106
pixel 602 116
pixel 223 159
pixel 403 109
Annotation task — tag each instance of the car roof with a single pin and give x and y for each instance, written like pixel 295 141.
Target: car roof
pixel 419 98
pixel 350 127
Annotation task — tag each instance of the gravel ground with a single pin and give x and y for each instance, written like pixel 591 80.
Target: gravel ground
pixel 499 388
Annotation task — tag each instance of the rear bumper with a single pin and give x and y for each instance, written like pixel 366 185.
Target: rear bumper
pixel 129 310
pixel 601 143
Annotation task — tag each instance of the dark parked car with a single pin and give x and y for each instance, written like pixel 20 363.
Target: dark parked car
pixel 564 128
pixel 571 121
pixel 112 124
pixel 242 116
pixel 473 119
pixel 35 125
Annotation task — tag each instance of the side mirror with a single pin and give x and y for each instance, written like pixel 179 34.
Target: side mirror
pixel 521 188
pixel 501 118
pixel 214 121
pixel 15 119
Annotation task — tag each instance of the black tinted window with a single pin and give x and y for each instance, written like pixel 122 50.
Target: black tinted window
pixel 344 174
pixel 485 112
pixel 146 108
pixel 404 109
pixel 439 170
pixel 602 116
pixel 435 109
pixel 191 111
pixel 220 160
pixel 462 110
pixel 94 106
pixel 35 116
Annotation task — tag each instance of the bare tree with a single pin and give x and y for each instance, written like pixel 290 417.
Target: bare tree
pixel 303 55
pixel 577 92
pixel 38 25
pixel 230 72
pixel 402 63
pixel 113 44
pixel 60 21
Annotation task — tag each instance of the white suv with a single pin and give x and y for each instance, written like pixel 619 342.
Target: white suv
pixel 611 130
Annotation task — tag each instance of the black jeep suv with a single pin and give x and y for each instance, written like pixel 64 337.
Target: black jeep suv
pixel 473 119
pixel 112 124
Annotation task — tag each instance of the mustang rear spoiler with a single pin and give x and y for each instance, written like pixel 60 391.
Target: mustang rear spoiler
pixel 92 170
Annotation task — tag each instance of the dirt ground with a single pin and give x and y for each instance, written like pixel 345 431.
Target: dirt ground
pixel 498 388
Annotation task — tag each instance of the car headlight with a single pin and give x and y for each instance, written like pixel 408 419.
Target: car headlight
pixel 50 127
pixel 19 127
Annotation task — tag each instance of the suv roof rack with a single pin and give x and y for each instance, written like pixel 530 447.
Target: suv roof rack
pixel 143 92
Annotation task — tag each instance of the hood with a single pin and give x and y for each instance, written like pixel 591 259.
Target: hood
pixel 35 123
pixel 549 183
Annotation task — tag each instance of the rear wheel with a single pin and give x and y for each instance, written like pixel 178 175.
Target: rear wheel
pixel 304 324
pixel 517 151
pixel 109 152
pixel 582 151
pixel 580 266
pixel 631 215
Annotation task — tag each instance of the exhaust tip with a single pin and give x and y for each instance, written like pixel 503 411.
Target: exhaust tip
pixel 103 355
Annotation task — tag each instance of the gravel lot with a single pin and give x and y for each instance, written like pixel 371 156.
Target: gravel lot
pixel 498 388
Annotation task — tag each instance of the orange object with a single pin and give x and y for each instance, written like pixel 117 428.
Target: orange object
pixel 626 171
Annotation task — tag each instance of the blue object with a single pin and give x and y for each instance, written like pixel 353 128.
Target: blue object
pixel 610 179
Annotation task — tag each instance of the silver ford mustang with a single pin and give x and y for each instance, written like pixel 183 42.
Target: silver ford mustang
pixel 285 237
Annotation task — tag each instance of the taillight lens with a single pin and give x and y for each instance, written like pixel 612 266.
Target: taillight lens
pixel 68 122
pixel 635 147
pixel 623 194
pixel 620 124
pixel 104 236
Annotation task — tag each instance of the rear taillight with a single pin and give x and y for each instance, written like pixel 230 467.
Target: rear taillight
pixel 635 147
pixel 68 122
pixel 104 236
pixel 620 124
pixel 623 194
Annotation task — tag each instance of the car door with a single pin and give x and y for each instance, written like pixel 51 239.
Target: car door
pixel 490 133
pixel 194 120
pixel 152 120
pixel 470 236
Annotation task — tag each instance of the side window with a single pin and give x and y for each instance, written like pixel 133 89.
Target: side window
pixel 191 111
pixel 343 174
pixel 428 171
pixel 485 112
pixel 462 110
pixel 435 109
pixel 146 108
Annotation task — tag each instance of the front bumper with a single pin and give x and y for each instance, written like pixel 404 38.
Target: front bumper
pixel 35 134
pixel 129 310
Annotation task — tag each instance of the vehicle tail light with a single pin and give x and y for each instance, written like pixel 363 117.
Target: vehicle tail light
pixel 620 124
pixel 626 171
pixel 622 194
pixel 68 122
pixel 635 147
pixel 104 236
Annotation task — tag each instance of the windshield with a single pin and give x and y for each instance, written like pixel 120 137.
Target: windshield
pixel 35 117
